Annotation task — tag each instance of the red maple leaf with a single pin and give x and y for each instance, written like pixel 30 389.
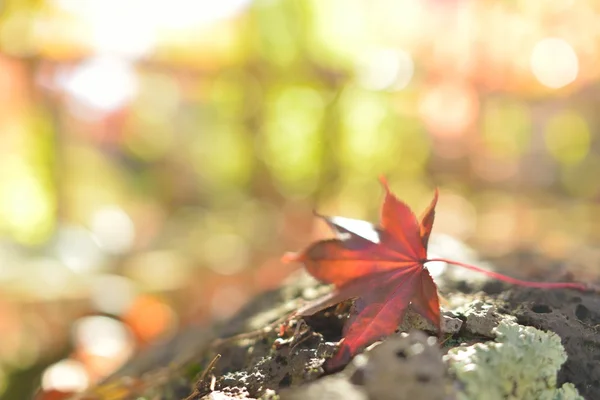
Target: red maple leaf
pixel 383 268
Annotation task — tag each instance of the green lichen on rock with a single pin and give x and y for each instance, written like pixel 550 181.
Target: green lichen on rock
pixel 521 363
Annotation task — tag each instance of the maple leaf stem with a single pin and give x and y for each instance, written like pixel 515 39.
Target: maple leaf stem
pixel 515 281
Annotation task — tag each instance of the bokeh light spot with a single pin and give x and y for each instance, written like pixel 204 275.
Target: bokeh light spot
pixel 65 376
pixel 76 248
pixel 103 336
pixel 158 270
pixel 25 205
pixel 581 180
pixel 373 138
pixel 554 62
pixel 112 294
pixel 456 216
pixel 568 137
pixel 100 85
pixel 149 317
pixel 178 14
pixel 113 229
pixel 364 140
pixel 449 108
pixel 385 69
pixel 506 128
pixel 291 139
pixel 49 279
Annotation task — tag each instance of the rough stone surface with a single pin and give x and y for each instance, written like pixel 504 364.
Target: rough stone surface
pixel 333 387
pixel 402 367
pixel 228 393
pixel 482 318
pixel 406 367
pixel 272 367
pixel 450 323
pixel 575 317
pixel 265 354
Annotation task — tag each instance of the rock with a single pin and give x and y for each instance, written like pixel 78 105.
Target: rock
pixel 265 353
pixel 268 367
pixel 522 363
pixel 575 317
pixel 412 320
pixel 402 367
pixel 334 387
pixel 229 393
pixel 482 318
pixel 406 367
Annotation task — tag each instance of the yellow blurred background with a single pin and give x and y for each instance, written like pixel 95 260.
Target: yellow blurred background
pixel 158 157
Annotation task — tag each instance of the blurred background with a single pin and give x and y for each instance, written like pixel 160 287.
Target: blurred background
pixel 158 157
